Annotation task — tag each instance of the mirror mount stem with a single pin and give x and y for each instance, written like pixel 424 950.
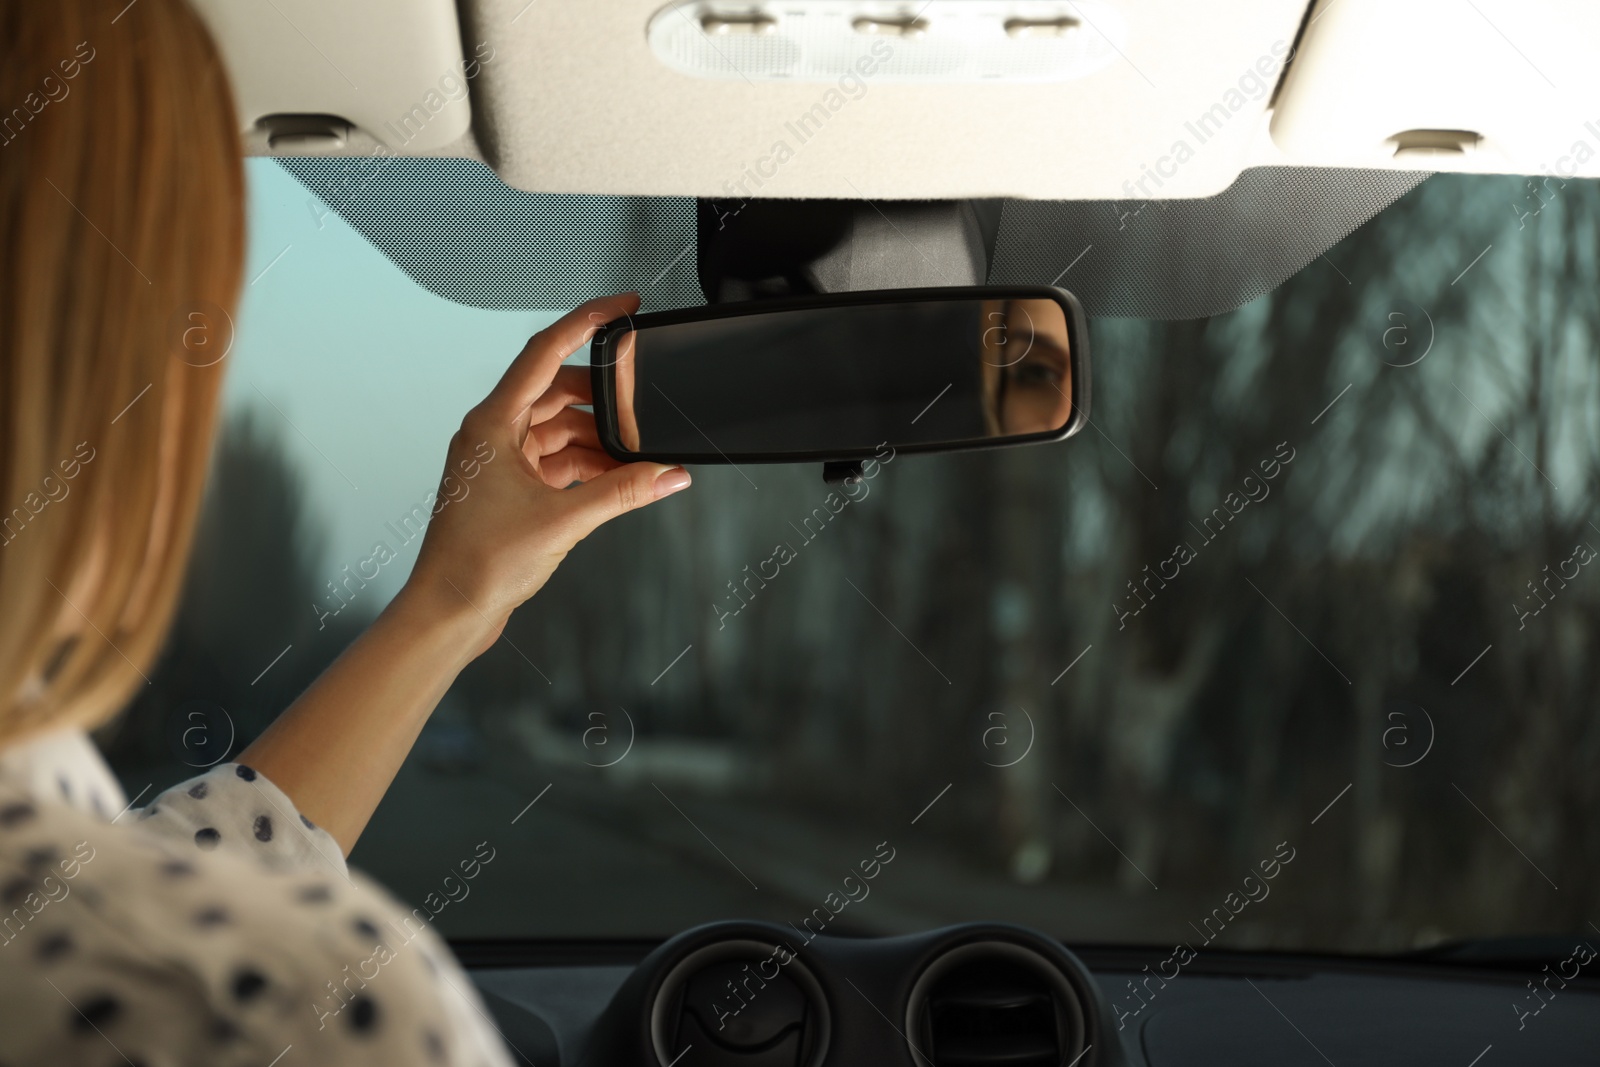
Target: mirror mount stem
pixel 843 472
pixel 762 248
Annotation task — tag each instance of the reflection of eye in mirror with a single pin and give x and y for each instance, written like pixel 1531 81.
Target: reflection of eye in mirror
pixel 837 377
pixel 1027 367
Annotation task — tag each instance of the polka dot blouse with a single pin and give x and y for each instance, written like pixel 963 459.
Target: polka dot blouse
pixel 216 926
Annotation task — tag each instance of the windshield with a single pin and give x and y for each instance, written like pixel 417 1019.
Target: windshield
pixel 1292 647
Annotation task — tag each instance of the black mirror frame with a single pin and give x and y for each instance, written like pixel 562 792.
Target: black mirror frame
pixel 603 374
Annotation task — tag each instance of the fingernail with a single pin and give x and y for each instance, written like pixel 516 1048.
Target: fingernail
pixel 671 480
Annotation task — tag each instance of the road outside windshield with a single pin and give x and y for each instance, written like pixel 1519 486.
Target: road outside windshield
pixel 1293 647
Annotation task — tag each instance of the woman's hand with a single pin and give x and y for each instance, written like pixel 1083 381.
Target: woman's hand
pixel 526 479
pixel 510 514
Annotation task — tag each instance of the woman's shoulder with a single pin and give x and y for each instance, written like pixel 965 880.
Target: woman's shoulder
pixel 233 808
pixel 122 945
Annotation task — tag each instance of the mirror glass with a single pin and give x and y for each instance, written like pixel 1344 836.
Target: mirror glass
pixel 931 373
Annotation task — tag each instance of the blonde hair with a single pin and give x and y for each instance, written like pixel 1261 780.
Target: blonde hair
pixel 121 221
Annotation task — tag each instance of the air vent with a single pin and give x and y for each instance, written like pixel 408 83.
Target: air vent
pixel 994 1004
pixel 735 1004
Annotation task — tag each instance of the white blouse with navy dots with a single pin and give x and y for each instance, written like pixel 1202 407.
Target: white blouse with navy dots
pixel 216 926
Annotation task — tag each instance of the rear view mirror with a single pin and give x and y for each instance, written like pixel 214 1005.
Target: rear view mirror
pixel 836 377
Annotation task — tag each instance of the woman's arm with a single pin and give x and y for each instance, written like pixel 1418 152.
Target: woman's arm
pixel 337 748
pixel 508 515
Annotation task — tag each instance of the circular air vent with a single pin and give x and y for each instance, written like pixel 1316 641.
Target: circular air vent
pixel 739 1003
pixel 994 1004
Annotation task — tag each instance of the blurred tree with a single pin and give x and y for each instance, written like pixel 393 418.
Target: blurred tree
pixel 248 595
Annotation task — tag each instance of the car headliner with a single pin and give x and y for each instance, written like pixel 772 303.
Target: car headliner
pixel 569 98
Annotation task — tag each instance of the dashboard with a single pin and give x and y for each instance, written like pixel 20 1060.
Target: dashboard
pixel 744 994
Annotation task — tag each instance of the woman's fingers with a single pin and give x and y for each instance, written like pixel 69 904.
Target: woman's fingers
pixel 498 543
pixel 532 372
pixel 569 426
pixel 574 464
pixel 572 385
pixel 618 491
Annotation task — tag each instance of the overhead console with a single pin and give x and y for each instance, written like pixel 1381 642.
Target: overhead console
pixel 860 99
